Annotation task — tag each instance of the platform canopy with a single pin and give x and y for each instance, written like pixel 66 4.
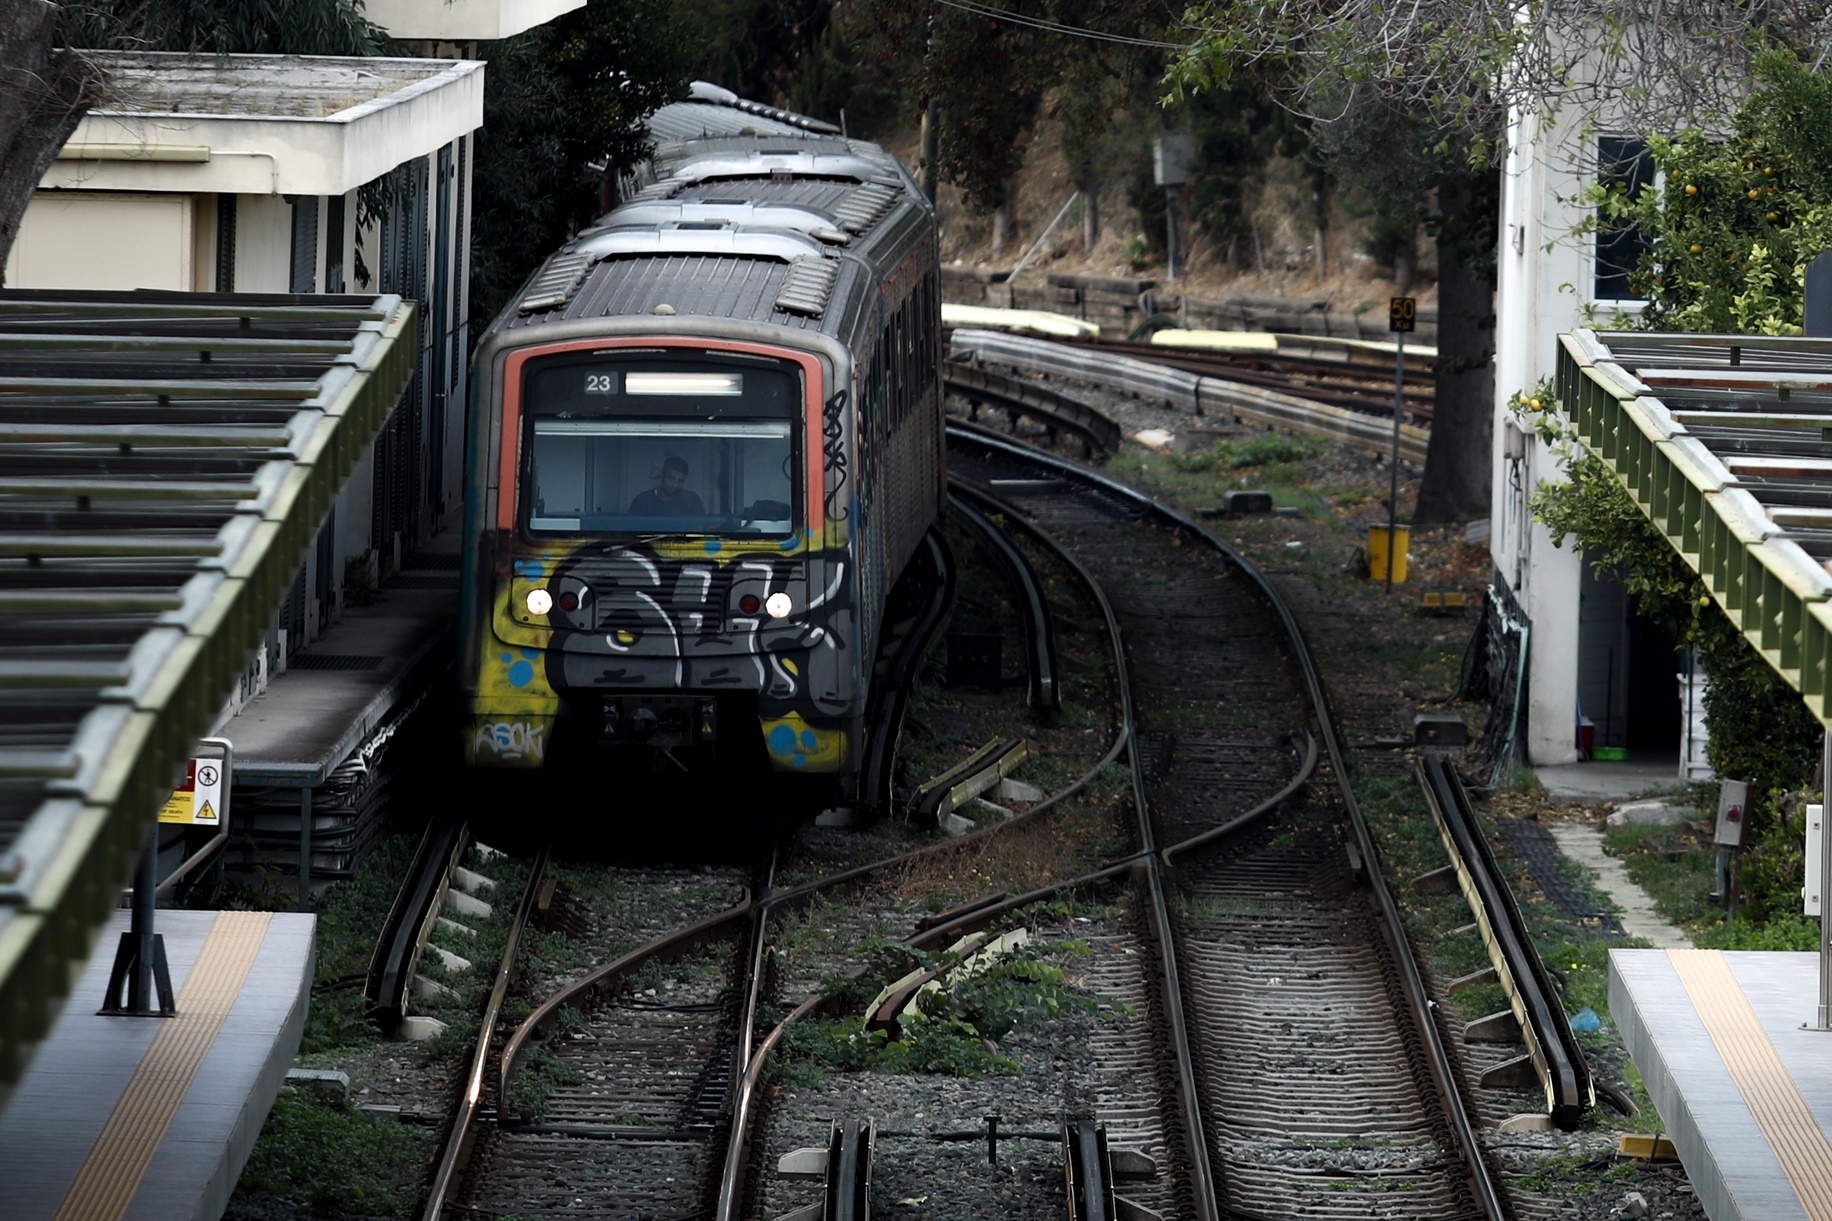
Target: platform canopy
pixel 1725 442
pixel 165 461
pixel 264 124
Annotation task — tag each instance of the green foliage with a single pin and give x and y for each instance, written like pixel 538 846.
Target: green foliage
pixel 292 27
pixel 1014 985
pixel 1739 218
pixel 955 1027
pixel 1259 449
pixel 559 99
pixel 1772 869
pixel 946 55
pixel 1237 130
pixel 319 1151
pixel 540 1074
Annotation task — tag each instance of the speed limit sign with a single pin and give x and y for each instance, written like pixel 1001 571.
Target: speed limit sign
pixel 1402 313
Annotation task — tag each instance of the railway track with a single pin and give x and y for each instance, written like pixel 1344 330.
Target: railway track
pixel 1319 1074
pixel 1277 1056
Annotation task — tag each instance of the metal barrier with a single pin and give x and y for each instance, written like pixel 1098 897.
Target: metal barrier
pixel 1189 392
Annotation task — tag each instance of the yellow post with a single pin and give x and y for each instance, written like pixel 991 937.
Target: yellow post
pixel 1379 551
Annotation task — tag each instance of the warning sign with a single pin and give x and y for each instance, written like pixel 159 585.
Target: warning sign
pixel 199 800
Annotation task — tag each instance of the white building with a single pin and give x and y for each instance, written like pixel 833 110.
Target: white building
pixel 1591 658
pixel 289 174
pixel 462 22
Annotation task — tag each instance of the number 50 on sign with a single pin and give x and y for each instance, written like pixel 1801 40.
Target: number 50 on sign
pixel 1402 313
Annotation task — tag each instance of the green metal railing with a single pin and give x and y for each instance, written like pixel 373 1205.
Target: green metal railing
pixel 89 806
pixel 1770 587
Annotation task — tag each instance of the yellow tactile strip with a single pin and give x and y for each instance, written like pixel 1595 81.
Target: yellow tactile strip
pixel 111 1173
pixel 1755 1066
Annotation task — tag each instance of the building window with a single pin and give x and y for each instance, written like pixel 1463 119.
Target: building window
pixel 1623 165
pixel 304 278
pixel 334 244
pixel 225 243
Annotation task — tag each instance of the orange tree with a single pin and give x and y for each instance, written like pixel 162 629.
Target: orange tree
pixel 1739 215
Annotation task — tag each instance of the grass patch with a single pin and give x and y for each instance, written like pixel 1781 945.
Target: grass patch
pixel 320 1152
pixel 1677 866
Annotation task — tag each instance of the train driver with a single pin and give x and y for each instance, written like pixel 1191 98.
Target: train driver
pixel 670 495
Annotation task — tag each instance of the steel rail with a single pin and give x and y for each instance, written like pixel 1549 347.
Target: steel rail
pixel 1205 1191
pixel 464 1121
pixel 1281 367
pixel 1052 410
pixel 1033 606
pixel 744 1083
pixel 1558 1059
pixel 1462 1131
pixel 889 701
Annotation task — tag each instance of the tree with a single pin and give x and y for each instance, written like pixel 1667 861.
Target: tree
pixel 562 114
pixel 272 27
pixel 1454 70
pixel 45 89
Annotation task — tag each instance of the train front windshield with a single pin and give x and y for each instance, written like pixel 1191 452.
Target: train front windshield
pixel 630 447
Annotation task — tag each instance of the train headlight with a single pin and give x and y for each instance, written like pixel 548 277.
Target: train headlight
pixel 750 604
pixel 539 602
pixel 777 604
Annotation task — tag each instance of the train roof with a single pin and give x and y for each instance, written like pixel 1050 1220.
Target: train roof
pixel 788 224
pixel 711 111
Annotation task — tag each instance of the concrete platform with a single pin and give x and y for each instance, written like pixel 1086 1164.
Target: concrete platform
pixel 310 719
pixel 1745 1092
pixel 1599 781
pixel 151 1119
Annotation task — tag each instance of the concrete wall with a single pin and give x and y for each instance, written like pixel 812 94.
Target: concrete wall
pixel 263 243
pixel 1544 286
pixel 83 239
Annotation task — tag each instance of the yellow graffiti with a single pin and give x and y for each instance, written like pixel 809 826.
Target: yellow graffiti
pixel 796 746
pixel 705 549
pixel 512 678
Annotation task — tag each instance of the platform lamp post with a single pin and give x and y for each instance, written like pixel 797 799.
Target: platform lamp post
pixel 1171 155
pixel 1816 320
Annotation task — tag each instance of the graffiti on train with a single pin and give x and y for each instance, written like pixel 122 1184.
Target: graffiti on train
pixel 521 741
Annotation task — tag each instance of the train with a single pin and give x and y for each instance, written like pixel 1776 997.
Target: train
pixel 704 442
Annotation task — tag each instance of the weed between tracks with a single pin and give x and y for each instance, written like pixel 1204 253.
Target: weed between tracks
pixel 955 1027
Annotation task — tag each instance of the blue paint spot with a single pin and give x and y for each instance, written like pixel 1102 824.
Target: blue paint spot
pixel 508 657
pixel 521 674
pixel 782 740
pixel 800 760
pixel 713 545
pixel 530 654
pixel 789 544
pixel 530 568
pixel 809 741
